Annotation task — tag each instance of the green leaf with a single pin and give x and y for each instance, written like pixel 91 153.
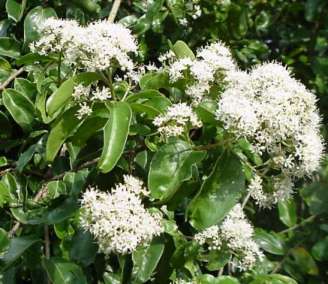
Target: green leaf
pixel 5 126
pixel 270 242
pixel 170 167
pixel 15 10
pixel 4 194
pixel 154 81
pixel 34 20
pixel 60 96
pixel 316 197
pixel 219 192
pixel 209 279
pixel 182 50
pixel 303 261
pixel 84 248
pixel 26 87
pixel 9 47
pixel 25 157
pixel 56 188
pixel 17 247
pixel 287 212
pixel 116 133
pixel 4 241
pixel 20 107
pixel 273 279
pixel 62 271
pixel 320 250
pixel 64 127
pixel 146 258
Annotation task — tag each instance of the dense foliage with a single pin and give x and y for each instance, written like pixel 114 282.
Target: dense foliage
pixel 166 148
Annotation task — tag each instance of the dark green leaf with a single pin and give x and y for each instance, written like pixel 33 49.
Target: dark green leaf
pixel 17 247
pixel 287 212
pixel 170 167
pixel 145 260
pixel 219 192
pixel 84 248
pixel 63 128
pixel 273 279
pixel 62 271
pixel 270 242
pixel 20 107
pixel 320 250
pixel 9 47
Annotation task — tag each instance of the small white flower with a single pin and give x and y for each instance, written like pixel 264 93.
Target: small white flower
pixel 84 110
pixel 175 120
pixel 118 220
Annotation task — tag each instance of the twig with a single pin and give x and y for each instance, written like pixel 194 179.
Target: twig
pixel 11 77
pixel 46 242
pixel 307 220
pixel 114 10
pixel 43 191
pixel 245 200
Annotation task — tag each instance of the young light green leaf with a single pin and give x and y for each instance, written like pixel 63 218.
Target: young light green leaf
pixel 170 167
pixel 182 50
pixel 60 96
pixel 116 133
pixel 219 192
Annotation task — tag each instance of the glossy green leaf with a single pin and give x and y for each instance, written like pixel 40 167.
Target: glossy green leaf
pixel 273 279
pixel 170 167
pixel 4 241
pixel 320 250
pixel 17 247
pixel 63 271
pixel 15 9
pixel 287 212
pixel 116 133
pixel 26 87
pixel 60 96
pixel 84 248
pixel 64 127
pixel 209 279
pixel 182 50
pixel 219 192
pixel 145 260
pixel 20 107
pixel 269 242
pixel 34 20
pixel 9 47
pixel 154 81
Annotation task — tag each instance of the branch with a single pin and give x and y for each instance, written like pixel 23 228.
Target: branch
pixel 44 189
pixel 114 10
pixel 11 77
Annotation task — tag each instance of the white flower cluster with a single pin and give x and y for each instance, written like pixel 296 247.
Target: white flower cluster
pixel 212 64
pixel 98 46
pixel 178 118
pixel 236 234
pixel 282 190
pixel 83 95
pixel 118 220
pixel 278 116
